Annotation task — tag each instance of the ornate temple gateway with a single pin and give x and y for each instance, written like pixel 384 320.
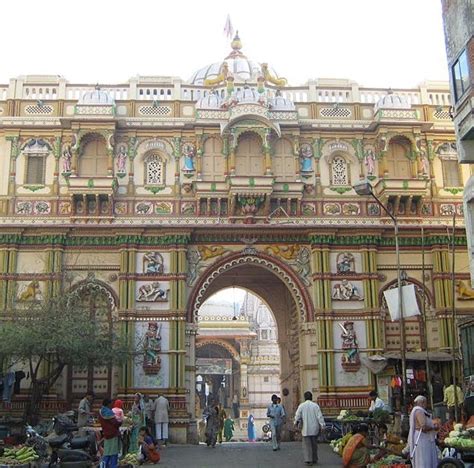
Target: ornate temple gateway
pixel 160 192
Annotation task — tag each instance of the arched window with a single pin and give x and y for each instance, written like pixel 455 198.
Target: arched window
pixel 339 171
pixel 212 160
pixel 397 159
pixel 93 159
pixel 36 152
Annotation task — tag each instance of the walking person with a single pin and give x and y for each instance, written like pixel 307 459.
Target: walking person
pixel 228 429
pixel 85 409
pixel 221 416
pixel 111 433
pixel 149 416
pixel 251 432
pixel 422 436
pixel 211 415
pixel 277 415
pixel 310 420
pixel 162 408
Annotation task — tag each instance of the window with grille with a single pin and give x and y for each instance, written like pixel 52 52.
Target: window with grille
pixel 154 170
pixel 451 173
pixel 35 170
pixel 339 174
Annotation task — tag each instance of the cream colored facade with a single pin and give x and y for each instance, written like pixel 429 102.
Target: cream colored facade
pixel 162 192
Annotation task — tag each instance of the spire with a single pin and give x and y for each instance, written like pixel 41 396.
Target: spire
pixel 236 45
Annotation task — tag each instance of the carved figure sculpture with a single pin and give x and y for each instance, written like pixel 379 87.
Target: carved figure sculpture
pixel 349 343
pixel 345 263
pixel 220 78
pixel 288 252
pixel 152 348
pixel 193 257
pixel 153 263
pixel 151 293
pixel 122 159
pixel 32 292
pixel 188 153
pixel 303 265
pixel 207 252
pixel 306 158
pixel 345 291
pixel 369 161
pixel 67 159
pixel 425 164
pixel 465 293
pixel 272 79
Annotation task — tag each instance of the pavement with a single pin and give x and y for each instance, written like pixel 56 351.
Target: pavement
pixel 244 454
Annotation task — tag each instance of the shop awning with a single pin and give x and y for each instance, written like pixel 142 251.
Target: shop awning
pixel 437 356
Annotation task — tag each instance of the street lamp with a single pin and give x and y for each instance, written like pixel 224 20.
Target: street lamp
pixel 364 188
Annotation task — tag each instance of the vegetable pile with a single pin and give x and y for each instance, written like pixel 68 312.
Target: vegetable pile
pixel 460 439
pixel 391 461
pixel 130 459
pixel 21 455
pixel 346 416
pixel 339 444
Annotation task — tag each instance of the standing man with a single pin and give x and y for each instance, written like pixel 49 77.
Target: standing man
pixel 309 416
pixel 277 415
pixel 375 402
pixel 149 414
pixel 162 408
pixel 453 397
pixel 84 410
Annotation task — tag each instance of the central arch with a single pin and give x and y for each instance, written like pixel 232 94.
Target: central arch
pixel 278 285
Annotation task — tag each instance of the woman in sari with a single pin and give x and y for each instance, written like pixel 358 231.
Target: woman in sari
pixel 356 453
pixel 228 429
pixel 422 436
pixel 252 434
pixel 138 421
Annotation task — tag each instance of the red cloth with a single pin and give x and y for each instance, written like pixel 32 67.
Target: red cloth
pixel 118 404
pixel 110 427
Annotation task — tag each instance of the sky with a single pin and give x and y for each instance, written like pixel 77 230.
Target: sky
pixel 384 43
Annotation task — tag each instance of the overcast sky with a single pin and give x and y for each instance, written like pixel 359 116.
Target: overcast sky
pixel 374 42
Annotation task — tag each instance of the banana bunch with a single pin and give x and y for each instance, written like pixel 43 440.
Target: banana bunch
pixel 18 456
pixel 130 459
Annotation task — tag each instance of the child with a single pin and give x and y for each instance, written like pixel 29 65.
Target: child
pixel 118 411
pixel 148 448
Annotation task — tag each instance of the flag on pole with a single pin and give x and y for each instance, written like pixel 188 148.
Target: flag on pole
pixel 410 304
pixel 228 28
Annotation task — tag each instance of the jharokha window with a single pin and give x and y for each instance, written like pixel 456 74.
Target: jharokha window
pixel 154 170
pixel 339 173
pixel 35 169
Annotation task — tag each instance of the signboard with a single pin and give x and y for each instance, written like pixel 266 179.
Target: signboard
pixel 214 366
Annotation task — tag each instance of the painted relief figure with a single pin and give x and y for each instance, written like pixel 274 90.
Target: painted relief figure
pixel 369 161
pixel 153 263
pixel 67 159
pixel 122 160
pixel 151 293
pixel 350 344
pixel 188 153
pixel 306 158
pixel 345 291
pixel 345 263
pixel 152 347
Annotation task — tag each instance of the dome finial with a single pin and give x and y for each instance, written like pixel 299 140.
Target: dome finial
pixel 236 44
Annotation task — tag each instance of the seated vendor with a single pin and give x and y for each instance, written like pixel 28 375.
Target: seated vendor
pixel 375 402
pixel 356 453
pixel 149 452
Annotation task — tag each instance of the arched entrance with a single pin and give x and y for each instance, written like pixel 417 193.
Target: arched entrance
pixel 282 290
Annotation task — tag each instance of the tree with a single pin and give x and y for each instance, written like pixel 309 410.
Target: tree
pixel 75 329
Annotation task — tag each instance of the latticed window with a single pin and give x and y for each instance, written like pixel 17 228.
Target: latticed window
pixel 35 170
pixel 339 174
pixel 154 170
pixel 451 173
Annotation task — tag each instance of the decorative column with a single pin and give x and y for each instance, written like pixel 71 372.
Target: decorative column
pixel 225 154
pixel 317 152
pixel 177 156
pixel 57 158
pixel 267 152
pixel 232 148
pixel 14 153
pixel 132 152
pixel 110 152
pixel 296 152
pixel 199 155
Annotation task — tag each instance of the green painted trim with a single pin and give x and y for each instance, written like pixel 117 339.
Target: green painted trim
pixel 332 239
pixel 341 190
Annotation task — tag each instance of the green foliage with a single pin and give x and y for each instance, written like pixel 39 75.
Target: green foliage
pixel 71 330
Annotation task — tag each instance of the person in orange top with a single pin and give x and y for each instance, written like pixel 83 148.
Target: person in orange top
pixel 356 453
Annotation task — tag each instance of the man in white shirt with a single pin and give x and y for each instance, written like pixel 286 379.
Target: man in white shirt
pixel 376 402
pixel 85 409
pixel 161 407
pixel 309 418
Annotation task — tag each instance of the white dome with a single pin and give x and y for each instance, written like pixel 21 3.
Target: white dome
pixel 98 97
pixel 239 66
pixel 392 101
pixel 279 103
pixel 248 95
pixel 210 101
